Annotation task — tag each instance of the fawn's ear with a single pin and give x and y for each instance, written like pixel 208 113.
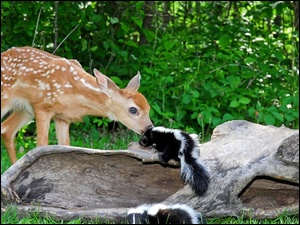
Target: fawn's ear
pixel 103 81
pixel 134 83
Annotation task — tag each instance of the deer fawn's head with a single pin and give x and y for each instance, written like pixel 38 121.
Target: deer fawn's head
pixel 127 105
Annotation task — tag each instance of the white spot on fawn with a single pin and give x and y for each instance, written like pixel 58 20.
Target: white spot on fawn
pixel 68 85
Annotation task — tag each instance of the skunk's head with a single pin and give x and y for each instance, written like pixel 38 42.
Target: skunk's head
pixel 152 135
pixel 156 135
pixel 164 214
pixel 148 138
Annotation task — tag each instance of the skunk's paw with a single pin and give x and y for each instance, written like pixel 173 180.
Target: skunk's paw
pixel 162 158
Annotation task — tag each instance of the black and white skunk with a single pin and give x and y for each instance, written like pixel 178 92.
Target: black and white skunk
pixel 182 147
pixel 164 214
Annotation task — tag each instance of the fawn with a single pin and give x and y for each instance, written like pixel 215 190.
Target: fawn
pixel 37 84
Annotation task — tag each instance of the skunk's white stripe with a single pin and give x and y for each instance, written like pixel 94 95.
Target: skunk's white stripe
pixel 153 210
pixel 196 150
pixel 140 209
pixel 193 214
pixel 177 133
pixel 163 129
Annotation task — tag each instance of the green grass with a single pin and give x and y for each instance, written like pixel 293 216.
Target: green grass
pixel 98 139
pixel 11 217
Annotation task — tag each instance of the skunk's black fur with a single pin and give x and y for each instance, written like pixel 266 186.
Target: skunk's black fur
pixel 182 147
pixel 164 214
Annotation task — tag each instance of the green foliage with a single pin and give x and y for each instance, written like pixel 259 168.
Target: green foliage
pixel 198 69
pixel 202 63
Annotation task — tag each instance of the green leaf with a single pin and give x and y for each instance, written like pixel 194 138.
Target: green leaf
pixel 180 114
pixel 296 101
pixel 265 68
pixel 269 119
pixel 248 74
pixel 137 21
pixel 114 20
pixel 186 98
pixel 124 27
pixel 163 65
pixel 283 108
pixel 168 79
pixel 196 94
pixel 93 49
pixel 250 60
pixel 227 117
pixel 5 4
pixel 213 109
pixel 216 121
pixel 294 113
pixel 132 44
pixel 251 112
pixel 287 100
pixel 106 45
pixel 277 115
pixel 224 41
pixel 244 100
pixel 117 80
pixel 279 55
pixel 207 116
pixel 168 45
pixel 234 104
pixel 289 117
pixel 234 81
pixel 83 44
pixel 150 35
pixel 156 108
pixel 148 70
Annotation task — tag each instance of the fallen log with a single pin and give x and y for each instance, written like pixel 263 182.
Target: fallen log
pixel 254 173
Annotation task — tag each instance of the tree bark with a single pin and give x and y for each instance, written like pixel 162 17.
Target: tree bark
pixel 296 15
pixel 147 22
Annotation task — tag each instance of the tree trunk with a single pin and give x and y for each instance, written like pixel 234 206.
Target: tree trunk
pixel 149 12
pixel 296 15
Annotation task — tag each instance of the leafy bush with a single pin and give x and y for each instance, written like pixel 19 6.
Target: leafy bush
pixel 202 63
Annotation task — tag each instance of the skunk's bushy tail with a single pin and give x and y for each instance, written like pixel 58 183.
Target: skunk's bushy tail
pixel 196 175
pixel 193 171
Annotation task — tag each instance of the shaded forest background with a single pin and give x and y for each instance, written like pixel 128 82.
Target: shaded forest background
pixel 202 62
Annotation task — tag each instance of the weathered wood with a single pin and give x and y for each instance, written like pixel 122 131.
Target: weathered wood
pixel 254 172
pixel 68 182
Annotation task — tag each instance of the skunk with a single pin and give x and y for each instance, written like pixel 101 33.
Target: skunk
pixel 182 147
pixel 164 214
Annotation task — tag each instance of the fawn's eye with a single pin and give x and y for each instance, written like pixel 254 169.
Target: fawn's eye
pixel 133 110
